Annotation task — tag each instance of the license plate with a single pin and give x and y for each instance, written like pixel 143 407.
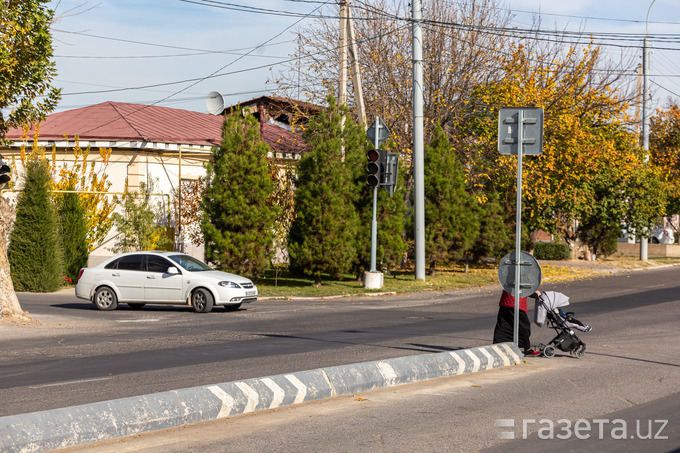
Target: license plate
pixel 250 293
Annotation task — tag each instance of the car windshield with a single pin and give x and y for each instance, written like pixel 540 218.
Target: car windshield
pixel 190 263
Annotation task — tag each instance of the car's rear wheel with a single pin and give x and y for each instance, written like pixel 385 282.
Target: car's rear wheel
pixel 232 307
pixel 202 300
pixel 136 306
pixel 105 299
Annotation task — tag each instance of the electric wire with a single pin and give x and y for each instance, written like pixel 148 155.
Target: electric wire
pixel 196 81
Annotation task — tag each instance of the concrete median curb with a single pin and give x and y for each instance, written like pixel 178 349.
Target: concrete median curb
pixel 59 428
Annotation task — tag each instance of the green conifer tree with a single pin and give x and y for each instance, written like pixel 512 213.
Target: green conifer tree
pixel 238 220
pixel 495 237
pixel 323 236
pixel 451 215
pixel 73 233
pixel 34 251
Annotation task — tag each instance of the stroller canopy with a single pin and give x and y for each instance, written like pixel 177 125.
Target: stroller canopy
pixel 549 300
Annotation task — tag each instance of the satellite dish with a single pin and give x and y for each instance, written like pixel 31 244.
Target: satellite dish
pixel 215 103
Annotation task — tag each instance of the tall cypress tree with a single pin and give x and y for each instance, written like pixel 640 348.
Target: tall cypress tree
pixel 495 237
pixel 34 251
pixel 73 232
pixel 238 217
pixel 451 214
pixel 322 238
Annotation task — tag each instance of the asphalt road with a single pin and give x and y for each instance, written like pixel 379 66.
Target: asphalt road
pixel 83 355
pixel 623 395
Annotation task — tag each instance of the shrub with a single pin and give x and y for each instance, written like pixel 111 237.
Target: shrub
pixel 551 251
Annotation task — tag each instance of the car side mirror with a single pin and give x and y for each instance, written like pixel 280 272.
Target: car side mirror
pixel 173 270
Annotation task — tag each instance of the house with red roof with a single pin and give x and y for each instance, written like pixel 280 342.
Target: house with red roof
pixel 156 144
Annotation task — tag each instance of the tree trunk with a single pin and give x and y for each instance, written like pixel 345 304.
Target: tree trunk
pixel 11 310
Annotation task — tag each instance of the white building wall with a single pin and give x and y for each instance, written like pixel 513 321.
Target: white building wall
pixel 158 162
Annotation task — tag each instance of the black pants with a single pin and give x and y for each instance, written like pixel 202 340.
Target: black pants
pixel 505 323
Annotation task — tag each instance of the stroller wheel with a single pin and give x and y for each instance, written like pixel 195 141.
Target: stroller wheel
pixel 549 351
pixel 580 351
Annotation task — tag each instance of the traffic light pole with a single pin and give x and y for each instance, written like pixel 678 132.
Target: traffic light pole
pixel 377 169
pixel 374 229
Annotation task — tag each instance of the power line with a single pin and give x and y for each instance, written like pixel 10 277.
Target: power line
pixel 217 74
pixel 605 19
pixel 110 38
pixel 214 74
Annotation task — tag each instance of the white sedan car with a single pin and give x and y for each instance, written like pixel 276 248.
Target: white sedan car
pixel 140 278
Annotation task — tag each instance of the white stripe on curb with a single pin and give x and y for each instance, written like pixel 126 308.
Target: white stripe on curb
pixel 502 355
pixel 227 401
pixel 301 388
pixel 514 352
pixel 461 363
pixel 252 396
pixel 387 373
pixel 489 358
pixel 476 363
pixel 278 392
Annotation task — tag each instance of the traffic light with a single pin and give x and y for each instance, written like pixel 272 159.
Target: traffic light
pixel 5 176
pixel 375 167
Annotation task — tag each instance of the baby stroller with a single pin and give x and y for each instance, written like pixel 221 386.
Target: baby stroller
pixel 549 306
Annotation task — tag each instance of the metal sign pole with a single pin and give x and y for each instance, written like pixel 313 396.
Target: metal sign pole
pixel 518 227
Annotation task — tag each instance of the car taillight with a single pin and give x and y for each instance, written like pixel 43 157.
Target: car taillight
pixel 80 273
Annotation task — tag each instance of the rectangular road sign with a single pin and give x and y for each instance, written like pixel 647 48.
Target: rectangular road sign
pixel 530 130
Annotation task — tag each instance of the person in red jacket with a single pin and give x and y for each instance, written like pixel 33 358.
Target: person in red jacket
pixel 505 323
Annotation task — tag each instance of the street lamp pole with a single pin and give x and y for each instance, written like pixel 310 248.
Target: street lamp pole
pixel 645 119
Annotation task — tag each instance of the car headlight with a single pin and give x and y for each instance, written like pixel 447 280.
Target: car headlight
pixel 227 284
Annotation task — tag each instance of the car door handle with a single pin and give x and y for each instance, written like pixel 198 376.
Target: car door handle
pixel 116 274
pixel 150 276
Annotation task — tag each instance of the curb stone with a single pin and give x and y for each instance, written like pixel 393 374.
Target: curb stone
pixel 64 427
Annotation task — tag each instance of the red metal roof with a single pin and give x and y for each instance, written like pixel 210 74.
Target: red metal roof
pixel 130 122
pixel 119 121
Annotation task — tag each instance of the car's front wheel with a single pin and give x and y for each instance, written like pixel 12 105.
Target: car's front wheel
pixel 105 299
pixel 202 300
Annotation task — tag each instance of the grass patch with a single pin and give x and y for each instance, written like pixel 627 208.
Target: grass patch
pixel 403 281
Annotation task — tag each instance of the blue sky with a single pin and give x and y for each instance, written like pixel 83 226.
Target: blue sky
pixel 107 50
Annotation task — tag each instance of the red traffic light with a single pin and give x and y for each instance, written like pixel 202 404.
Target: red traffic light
pixel 373 155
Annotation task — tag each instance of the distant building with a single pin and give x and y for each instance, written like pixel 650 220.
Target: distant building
pixel 158 144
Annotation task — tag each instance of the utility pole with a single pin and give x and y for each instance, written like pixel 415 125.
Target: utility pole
pixel 418 144
pixel 638 106
pixel 342 45
pixel 356 75
pixel 645 120
pixel 645 132
pixel 347 45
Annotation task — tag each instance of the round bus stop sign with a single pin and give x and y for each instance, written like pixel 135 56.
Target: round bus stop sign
pixel 529 278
